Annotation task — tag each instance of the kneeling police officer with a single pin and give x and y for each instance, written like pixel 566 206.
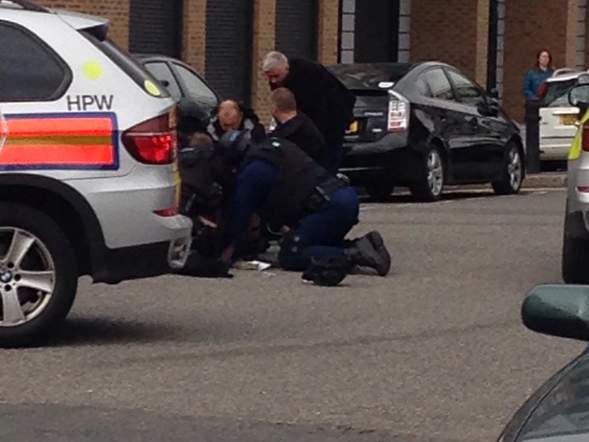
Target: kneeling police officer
pixel 292 193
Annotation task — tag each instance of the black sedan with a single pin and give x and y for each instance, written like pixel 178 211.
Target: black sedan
pixel 559 410
pixel 423 126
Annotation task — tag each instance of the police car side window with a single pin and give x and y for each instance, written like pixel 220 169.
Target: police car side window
pixel 439 85
pixel 162 73
pixel 29 69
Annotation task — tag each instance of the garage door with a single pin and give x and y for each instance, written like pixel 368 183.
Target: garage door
pixel 377 31
pixel 228 48
pixel 155 27
pixel 296 28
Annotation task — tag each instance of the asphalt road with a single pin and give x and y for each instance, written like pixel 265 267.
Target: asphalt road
pixel 434 352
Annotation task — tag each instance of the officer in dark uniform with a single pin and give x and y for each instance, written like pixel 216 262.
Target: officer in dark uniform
pixel 292 192
pixel 295 126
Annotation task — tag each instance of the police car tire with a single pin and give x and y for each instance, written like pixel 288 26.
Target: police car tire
pixel 61 250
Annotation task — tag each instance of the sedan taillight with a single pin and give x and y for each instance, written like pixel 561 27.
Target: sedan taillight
pixel 398 114
pixel 154 141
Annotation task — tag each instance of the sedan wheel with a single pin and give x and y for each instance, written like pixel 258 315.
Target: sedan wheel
pixel 512 172
pixel 432 185
pixel 38 275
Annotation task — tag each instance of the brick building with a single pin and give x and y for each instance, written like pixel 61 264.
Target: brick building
pixel 494 41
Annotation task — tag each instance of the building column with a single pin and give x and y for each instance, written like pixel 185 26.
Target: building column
pixel 264 39
pixel 452 31
pixel 194 31
pixel 530 27
pixel 328 38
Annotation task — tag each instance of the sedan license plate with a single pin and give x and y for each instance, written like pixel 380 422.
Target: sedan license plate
pixel 568 120
pixel 352 129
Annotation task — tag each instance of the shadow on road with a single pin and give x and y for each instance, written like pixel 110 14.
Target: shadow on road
pixel 104 331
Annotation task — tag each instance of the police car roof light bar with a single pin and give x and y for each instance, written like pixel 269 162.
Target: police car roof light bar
pixel 27 5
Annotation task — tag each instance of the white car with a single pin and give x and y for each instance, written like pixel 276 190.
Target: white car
pixel 557 116
pixel 89 183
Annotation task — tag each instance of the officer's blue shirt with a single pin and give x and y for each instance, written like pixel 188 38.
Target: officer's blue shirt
pixel 532 81
pixel 254 184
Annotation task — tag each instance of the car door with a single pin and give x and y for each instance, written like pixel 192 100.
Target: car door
pixel 162 72
pixel 440 110
pixel 486 128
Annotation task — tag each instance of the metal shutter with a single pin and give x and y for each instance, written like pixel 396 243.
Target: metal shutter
pixel 377 31
pixel 228 48
pixel 155 27
pixel 296 28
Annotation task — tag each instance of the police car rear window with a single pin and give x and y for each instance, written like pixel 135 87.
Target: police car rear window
pixel 128 64
pixel 21 79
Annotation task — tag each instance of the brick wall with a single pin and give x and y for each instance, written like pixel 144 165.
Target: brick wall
pixel 264 38
pixel 329 17
pixel 115 10
pixel 452 31
pixel 531 25
pixel 194 33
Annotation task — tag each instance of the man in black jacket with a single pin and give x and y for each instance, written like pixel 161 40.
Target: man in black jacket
pixel 296 127
pixel 321 96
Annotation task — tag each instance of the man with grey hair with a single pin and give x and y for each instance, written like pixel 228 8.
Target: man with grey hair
pixel 319 95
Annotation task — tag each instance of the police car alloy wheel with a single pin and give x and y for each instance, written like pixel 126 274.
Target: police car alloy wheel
pixel 38 277
pixel 512 172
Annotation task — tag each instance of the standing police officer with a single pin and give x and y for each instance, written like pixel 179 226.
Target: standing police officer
pixel 290 191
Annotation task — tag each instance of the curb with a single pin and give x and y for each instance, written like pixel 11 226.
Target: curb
pixel 545 180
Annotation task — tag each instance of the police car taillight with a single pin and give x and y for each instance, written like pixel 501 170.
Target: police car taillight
pixel 154 141
pixel 398 115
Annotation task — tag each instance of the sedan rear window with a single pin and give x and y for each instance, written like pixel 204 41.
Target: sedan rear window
pixel 556 93
pixel 369 75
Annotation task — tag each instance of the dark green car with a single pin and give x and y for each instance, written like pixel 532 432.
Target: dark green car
pixel 559 410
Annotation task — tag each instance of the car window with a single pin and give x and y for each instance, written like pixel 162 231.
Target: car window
pixel 563 412
pixel 30 70
pixel 556 93
pixel 194 86
pixel 438 84
pixel 128 64
pixel 422 87
pixel 467 92
pixel 163 74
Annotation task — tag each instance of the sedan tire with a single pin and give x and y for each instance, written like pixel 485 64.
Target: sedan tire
pixel 38 275
pixel 433 176
pixel 512 172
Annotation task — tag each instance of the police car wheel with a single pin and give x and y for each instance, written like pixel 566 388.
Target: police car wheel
pixel 38 275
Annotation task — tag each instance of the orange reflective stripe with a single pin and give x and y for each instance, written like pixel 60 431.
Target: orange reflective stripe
pixel 57 155
pixel 69 140
pixel 59 126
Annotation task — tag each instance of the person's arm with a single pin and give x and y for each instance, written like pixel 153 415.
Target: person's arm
pixel 254 184
pixel 528 87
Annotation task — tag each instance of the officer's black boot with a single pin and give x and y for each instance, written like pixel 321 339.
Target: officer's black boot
pixel 370 251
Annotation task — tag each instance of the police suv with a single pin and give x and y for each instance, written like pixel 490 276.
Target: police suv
pixel 88 175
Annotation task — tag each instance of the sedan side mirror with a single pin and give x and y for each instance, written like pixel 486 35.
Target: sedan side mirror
pixel 488 109
pixel 494 93
pixel 558 310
